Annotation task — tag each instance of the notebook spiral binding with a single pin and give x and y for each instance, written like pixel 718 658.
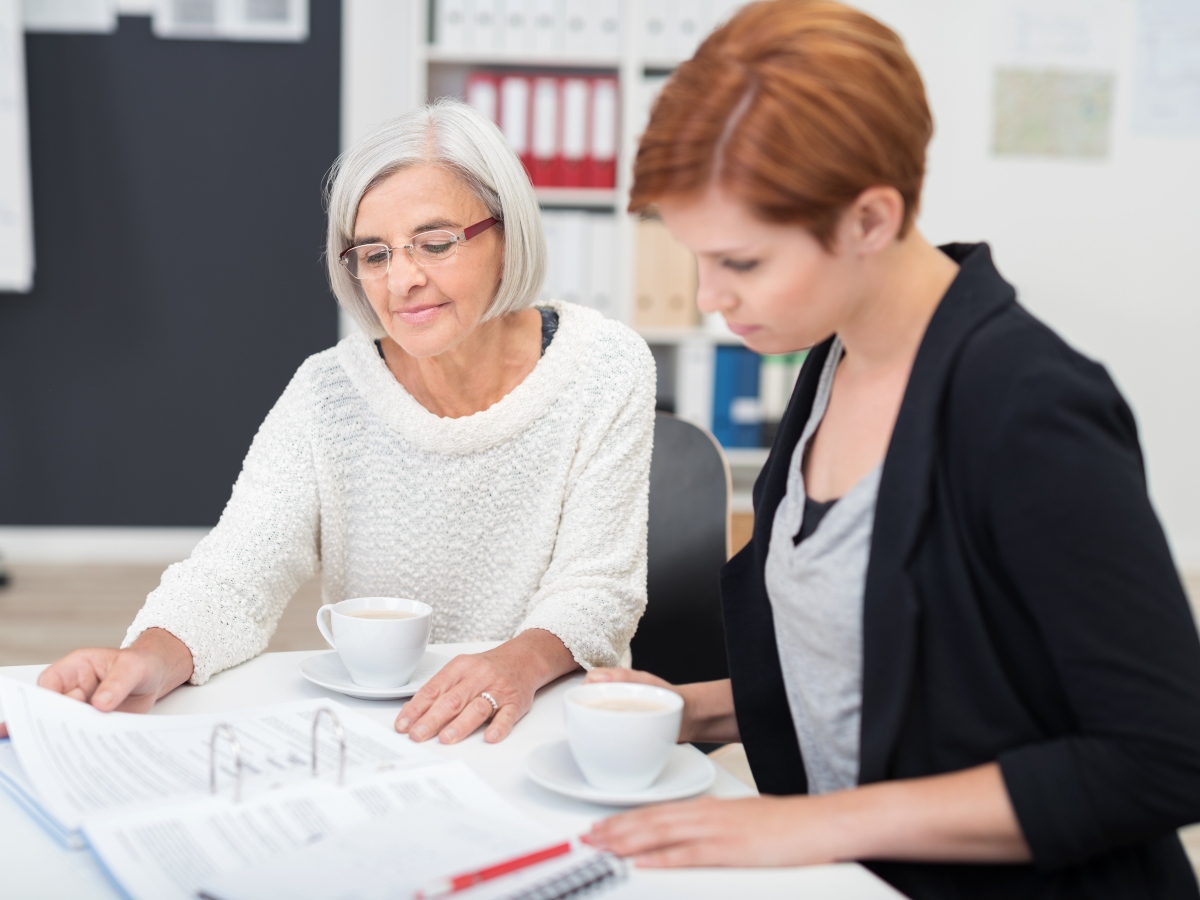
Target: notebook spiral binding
pixel 591 877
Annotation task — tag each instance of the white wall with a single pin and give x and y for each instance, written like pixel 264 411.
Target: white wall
pixel 1102 251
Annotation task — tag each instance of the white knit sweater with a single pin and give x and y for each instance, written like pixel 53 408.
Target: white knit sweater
pixel 530 514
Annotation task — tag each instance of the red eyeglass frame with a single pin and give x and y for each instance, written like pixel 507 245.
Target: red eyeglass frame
pixel 469 232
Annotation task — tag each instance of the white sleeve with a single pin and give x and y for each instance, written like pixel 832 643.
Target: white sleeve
pixel 594 591
pixel 225 600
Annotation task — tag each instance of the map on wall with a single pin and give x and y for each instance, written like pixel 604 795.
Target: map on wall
pixel 1053 77
pixel 16 214
pixel 1048 113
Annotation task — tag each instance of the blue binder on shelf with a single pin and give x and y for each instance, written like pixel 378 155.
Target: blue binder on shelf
pixel 737 411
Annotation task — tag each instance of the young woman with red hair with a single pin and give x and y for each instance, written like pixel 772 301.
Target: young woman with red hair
pixel 959 649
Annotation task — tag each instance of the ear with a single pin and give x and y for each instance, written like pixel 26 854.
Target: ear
pixel 872 221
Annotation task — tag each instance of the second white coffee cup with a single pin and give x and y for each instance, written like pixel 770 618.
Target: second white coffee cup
pixel 621 734
pixel 380 639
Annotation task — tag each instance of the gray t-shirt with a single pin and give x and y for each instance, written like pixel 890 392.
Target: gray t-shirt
pixel 816 592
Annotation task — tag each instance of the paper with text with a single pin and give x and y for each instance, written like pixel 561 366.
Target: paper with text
pixel 379 830
pixel 82 762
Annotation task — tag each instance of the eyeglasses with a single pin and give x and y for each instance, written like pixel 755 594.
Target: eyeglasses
pixel 367 262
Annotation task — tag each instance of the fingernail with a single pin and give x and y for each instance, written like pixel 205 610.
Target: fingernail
pixel 492 736
pixel 419 732
pixel 102 699
pixel 449 734
pixel 402 725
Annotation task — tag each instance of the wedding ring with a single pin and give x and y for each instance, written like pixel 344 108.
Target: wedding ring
pixel 492 700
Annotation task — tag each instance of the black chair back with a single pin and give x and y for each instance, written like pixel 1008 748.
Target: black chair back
pixel 682 635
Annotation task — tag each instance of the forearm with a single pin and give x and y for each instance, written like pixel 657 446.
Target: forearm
pixel 708 714
pixel 959 817
pixel 544 657
pixel 175 657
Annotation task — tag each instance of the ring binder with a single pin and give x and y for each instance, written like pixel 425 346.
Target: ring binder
pixel 339 733
pixel 223 729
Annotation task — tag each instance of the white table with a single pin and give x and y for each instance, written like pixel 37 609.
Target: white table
pixel 33 867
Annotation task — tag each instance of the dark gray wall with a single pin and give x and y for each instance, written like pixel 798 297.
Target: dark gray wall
pixel 178 230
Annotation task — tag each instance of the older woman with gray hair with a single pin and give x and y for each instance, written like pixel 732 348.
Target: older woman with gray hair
pixel 466 448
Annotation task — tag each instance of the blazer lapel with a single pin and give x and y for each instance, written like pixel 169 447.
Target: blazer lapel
pixel 771 484
pixel 890 604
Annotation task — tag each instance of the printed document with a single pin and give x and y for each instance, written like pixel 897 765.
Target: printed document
pixel 81 762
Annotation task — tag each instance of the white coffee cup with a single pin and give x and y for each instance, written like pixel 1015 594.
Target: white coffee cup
pixel 622 749
pixel 377 652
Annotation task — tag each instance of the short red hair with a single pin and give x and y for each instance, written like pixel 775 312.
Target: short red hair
pixel 794 106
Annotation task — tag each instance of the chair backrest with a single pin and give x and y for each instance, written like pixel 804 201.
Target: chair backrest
pixel 682 635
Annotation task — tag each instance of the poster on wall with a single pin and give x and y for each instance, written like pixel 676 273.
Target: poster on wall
pixel 70 16
pixel 16 213
pixel 1166 81
pixel 1054 67
pixel 231 20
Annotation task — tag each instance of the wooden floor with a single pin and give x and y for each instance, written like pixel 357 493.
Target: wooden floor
pixel 49 610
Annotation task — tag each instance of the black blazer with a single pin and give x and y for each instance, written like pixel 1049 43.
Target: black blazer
pixel 1021 605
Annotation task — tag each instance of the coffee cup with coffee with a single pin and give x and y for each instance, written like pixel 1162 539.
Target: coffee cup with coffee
pixel 380 639
pixel 621 734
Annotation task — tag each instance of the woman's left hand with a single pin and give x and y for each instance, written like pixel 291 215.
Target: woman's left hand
pixel 451 704
pixel 956 817
pixel 756 831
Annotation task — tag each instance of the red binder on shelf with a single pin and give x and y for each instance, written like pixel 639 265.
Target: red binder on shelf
pixel 545 137
pixel 515 114
pixel 575 105
pixel 602 158
pixel 483 93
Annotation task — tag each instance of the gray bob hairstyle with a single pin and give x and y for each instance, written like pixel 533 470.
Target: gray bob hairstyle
pixel 446 133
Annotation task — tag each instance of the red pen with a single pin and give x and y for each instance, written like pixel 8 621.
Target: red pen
pixel 461 882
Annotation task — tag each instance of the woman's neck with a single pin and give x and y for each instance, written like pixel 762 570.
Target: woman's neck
pixel 902 291
pixel 475 373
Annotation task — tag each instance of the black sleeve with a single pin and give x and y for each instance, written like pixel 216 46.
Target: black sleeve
pixel 1079 543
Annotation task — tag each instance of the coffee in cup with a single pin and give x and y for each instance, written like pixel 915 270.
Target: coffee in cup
pixel 380 639
pixel 621 734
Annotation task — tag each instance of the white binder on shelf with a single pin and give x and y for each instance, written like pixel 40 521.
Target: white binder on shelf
pixel 517 26
pixel 608 37
pixel 696 362
pixel 601 247
pixel 547 27
pixel 592 29
pixel 656 35
pixel 690 25
pixel 450 25
pixel 485 26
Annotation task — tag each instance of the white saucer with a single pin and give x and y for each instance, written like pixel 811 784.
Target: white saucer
pixel 688 772
pixel 326 670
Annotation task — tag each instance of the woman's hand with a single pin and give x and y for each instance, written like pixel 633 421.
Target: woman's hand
pixel 757 831
pixel 959 817
pixel 451 705
pixel 708 714
pixel 129 680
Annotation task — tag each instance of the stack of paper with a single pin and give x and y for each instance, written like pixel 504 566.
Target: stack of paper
pixel 135 791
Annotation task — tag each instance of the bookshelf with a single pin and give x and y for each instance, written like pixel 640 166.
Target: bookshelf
pixel 653 38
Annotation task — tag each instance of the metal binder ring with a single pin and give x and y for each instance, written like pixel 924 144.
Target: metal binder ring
pixel 492 700
pixel 223 729
pixel 339 733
